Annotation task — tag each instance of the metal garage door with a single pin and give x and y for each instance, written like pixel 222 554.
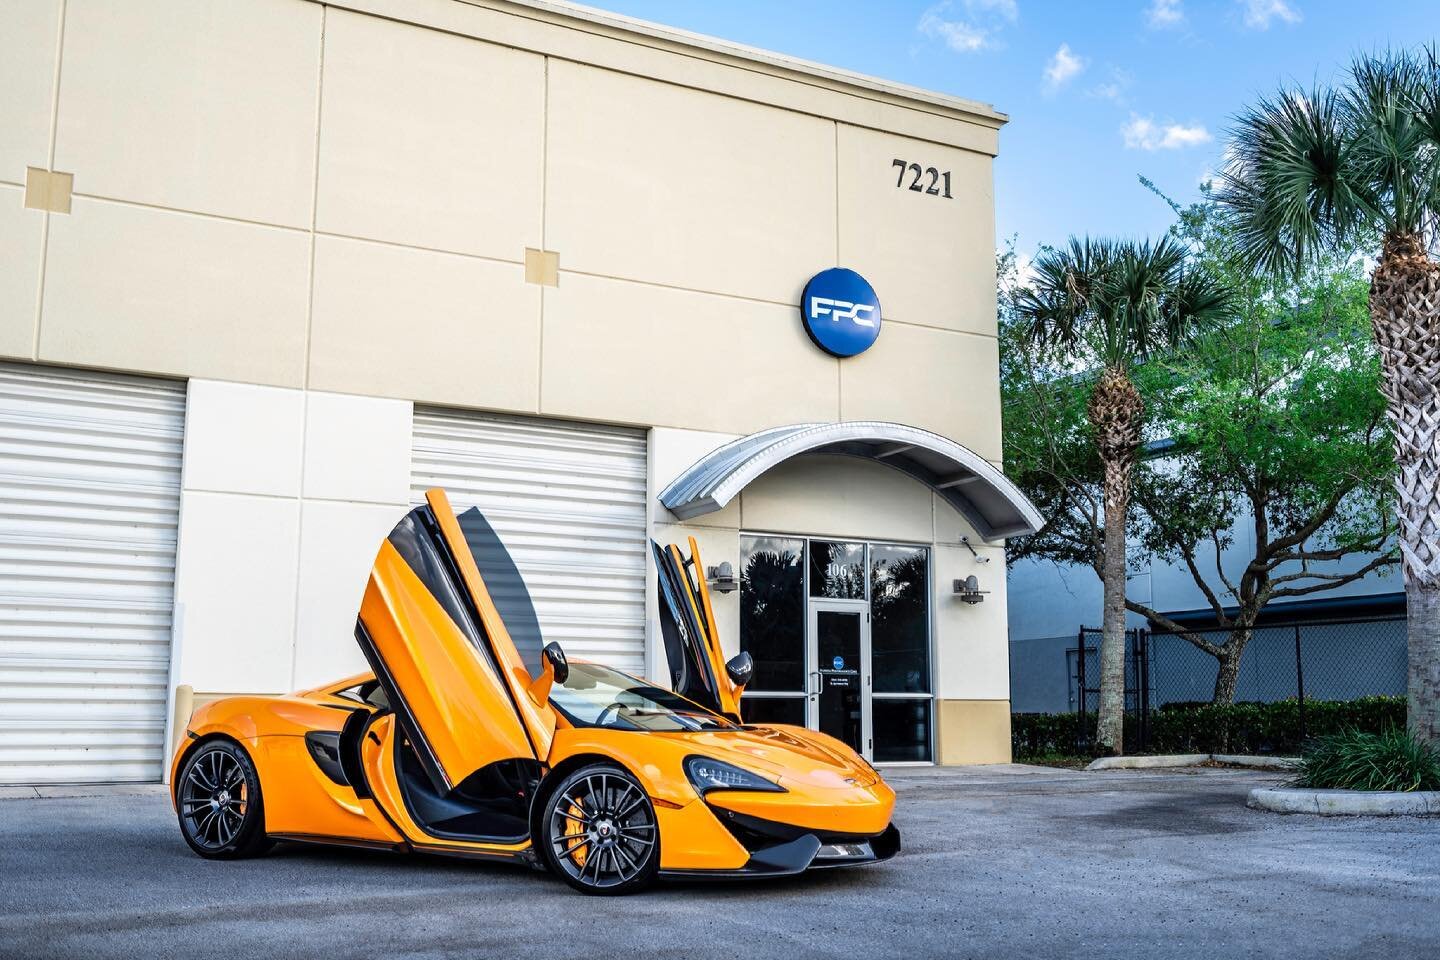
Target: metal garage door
pixel 89 502
pixel 568 502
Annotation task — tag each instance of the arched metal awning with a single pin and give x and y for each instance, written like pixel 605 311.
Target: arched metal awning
pixel 992 504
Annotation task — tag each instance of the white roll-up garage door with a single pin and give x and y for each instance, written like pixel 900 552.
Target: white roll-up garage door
pixel 89 503
pixel 568 502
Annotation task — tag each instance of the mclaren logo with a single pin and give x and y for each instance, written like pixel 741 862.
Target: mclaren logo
pixel 841 310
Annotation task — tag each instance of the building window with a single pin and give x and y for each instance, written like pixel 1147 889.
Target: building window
pixel 837 570
pixel 899 619
pixel 772 627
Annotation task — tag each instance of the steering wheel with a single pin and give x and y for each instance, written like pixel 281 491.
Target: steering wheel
pixel 605 715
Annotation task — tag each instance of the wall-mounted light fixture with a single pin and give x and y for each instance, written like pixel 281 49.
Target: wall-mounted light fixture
pixel 722 578
pixel 969 590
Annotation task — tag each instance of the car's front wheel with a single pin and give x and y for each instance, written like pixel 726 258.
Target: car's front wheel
pixel 220 808
pixel 599 832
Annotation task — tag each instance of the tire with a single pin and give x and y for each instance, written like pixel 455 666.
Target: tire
pixel 598 832
pixel 221 811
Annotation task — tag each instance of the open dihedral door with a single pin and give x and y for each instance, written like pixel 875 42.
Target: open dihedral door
pixel 441 653
pixel 687 626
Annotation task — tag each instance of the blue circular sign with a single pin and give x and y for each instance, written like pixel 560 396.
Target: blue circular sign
pixel 839 663
pixel 841 312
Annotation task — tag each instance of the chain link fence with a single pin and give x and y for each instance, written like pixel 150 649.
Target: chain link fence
pixel 1337 661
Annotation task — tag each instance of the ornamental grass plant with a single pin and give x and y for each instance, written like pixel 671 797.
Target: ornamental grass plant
pixel 1391 760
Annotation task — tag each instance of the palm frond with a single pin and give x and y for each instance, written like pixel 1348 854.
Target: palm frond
pixel 1119 301
pixel 1291 183
pixel 1392 144
pixel 1313 171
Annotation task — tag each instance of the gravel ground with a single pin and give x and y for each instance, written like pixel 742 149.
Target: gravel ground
pixel 998 861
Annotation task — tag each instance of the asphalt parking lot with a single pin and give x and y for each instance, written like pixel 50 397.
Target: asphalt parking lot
pixel 997 862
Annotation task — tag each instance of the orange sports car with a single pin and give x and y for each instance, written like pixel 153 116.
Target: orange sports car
pixel 450 745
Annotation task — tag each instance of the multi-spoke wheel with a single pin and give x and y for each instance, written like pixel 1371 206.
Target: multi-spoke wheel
pixel 220 810
pixel 599 832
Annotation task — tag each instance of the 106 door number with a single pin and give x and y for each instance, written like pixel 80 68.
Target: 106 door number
pixel 926 180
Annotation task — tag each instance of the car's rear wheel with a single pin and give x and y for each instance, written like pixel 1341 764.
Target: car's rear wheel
pixel 599 832
pixel 222 816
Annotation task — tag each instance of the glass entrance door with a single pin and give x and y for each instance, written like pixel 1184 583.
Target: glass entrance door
pixel 804 602
pixel 839 642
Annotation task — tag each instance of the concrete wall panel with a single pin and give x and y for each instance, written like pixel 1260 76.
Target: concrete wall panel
pixel 205 106
pixel 337 547
pixel 430 139
pixel 636 353
pixel 235 591
pixel 437 328
pixel 840 497
pixel 20 239
pixel 28 44
pixel 910 244
pixel 656 182
pixel 240 438
pixel 973 652
pixel 357 448
pixel 945 382
pixel 146 290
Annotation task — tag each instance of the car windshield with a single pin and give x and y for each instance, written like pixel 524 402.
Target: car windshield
pixel 596 696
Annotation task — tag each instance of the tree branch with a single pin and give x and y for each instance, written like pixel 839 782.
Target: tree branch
pixel 1220 568
pixel 1329 581
pixel 1155 616
pixel 1317 520
pixel 1195 575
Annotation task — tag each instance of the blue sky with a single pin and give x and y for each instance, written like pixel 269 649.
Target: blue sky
pixel 1098 91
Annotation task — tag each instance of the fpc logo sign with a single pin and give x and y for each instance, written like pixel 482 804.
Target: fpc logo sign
pixel 841 312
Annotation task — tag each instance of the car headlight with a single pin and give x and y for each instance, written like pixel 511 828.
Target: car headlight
pixel 706 775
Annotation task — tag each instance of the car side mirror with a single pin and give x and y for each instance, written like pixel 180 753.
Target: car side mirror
pixel 555 657
pixel 554 668
pixel 741 668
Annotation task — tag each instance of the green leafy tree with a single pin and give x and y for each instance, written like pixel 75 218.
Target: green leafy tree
pixel 1110 306
pixel 1316 171
pixel 1268 427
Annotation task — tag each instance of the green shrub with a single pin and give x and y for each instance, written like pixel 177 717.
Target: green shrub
pixel 1356 760
pixel 1246 728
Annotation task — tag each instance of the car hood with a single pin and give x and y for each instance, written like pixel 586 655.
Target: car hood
pixel 789 753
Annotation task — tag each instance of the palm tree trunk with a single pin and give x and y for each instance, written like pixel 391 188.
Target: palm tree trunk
pixel 1405 315
pixel 1115 409
pixel 1110 723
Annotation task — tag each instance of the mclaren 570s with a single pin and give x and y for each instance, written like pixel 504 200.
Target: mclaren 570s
pixel 451 745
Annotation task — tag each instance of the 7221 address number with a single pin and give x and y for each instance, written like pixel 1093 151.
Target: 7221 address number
pixel 926 180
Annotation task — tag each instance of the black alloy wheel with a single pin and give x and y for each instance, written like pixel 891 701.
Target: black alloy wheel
pixel 599 832
pixel 221 813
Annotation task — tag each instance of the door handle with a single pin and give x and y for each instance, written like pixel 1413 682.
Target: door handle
pixel 818 682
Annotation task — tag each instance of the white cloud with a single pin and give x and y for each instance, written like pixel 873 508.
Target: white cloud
pixel 968 25
pixel 1259 14
pixel 1062 68
pixel 1164 14
pixel 1143 133
pixel 1114 88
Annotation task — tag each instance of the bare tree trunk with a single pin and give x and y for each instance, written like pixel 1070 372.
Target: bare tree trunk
pixel 1115 409
pixel 1405 315
pixel 1229 673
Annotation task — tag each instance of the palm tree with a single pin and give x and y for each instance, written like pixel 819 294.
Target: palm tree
pixel 1113 304
pixel 1334 169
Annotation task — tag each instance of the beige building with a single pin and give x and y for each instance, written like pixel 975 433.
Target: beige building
pixel 270 268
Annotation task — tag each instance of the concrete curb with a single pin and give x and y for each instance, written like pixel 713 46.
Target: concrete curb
pixel 74 791
pixel 1147 763
pixel 1192 760
pixel 1345 803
